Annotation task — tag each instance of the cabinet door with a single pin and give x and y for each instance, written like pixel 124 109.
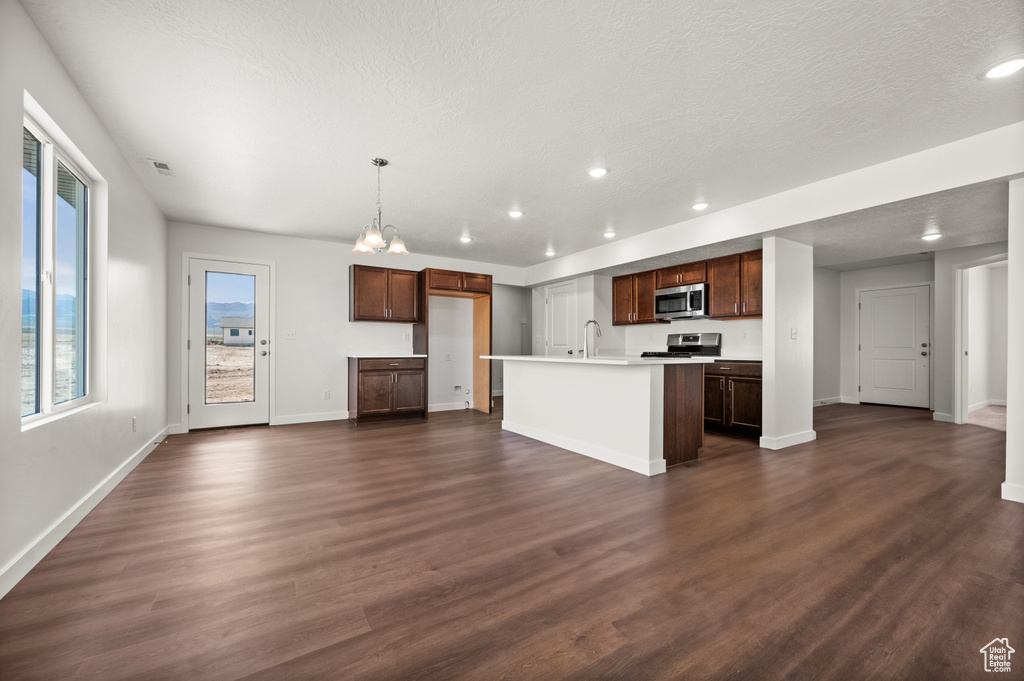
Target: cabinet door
pixel 410 394
pixel 667 277
pixel 369 293
pixel 724 285
pixel 744 396
pixel 643 291
pixel 622 299
pixel 403 300
pixel 446 280
pixel 750 280
pixel 693 273
pixel 714 400
pixel 374 393
pixel 476 283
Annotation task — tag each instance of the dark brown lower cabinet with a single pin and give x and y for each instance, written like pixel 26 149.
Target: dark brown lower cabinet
pixel 732 397
pixel 382 388
pixel 683 432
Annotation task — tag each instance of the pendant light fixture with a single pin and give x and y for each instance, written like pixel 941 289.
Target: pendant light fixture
pixel 371 239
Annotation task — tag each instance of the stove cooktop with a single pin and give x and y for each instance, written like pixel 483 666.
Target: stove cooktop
pixel 677 355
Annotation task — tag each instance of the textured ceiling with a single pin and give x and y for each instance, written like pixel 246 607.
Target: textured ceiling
pixel 268 112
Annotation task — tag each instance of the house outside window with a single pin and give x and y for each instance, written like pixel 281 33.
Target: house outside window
pixel 55 277
pixel 234 332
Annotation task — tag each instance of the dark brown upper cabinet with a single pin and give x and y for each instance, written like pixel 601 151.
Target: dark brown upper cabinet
pixel 449 281
pixel 380 294
pixel 633 298
pixel 680 275
pixel 734 283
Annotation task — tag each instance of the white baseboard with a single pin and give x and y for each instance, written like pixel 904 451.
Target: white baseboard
pixel 849 400
pixel 827 400
pixel 20 565
pixel 1013 492
pixel 788 440
pixel 986 403
pixel 585 448
pixel 447 406
pixel 945 418
pixel 308 418
pixel 176 429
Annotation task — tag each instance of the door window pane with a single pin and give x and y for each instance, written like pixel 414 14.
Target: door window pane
pixel 70 281
pixel 30 276
pixel 230 355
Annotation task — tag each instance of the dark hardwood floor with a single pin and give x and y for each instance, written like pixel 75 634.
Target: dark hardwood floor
pixel 448 549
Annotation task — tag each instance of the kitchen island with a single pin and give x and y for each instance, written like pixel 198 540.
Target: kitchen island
pixel 640 414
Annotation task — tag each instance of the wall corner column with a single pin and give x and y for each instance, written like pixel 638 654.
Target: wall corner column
pixel 1013 487
pixel 788 341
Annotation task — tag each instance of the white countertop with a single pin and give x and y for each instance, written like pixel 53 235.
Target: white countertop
pixel 738 358
pixel 381 355
pixel 607 359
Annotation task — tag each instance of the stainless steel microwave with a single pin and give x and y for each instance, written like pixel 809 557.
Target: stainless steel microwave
pixel 681 302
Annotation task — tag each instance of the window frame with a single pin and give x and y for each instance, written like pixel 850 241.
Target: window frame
pixel 50 155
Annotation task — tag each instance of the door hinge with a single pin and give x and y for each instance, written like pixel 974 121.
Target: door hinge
pixel 858 306
pixel 188 344
pixel 858 388
pixel 188 408
pixel 858 347
pixel 190 280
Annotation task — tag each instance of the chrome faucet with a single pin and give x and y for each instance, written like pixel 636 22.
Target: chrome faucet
pixel 597 334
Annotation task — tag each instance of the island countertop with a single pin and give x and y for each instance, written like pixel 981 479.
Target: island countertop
pixel 621 360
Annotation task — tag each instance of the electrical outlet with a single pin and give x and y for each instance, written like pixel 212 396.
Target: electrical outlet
pixel 290 334
pixel 448 357
pixel 407 337
pixel 744 335
pixel 135 423
pixel 327 394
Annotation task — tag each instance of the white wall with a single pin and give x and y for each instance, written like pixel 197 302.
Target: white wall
pixel 311 297
pixel 978 341
pixel 1013 487
pixel 788 338
pixel 998 318
pixel 53 474
pixel 849 283
pixel 827 336
pixel 741 338
pixel 450 353
pixel 946 264
pixel 510 325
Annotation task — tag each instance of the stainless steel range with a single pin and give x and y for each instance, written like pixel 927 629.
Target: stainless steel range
pixel 690 345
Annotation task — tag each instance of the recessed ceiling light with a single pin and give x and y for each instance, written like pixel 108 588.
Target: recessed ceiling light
pixel 465 239
pixel 549 252
pixel 1004 68
pixel 700 206
pixel 609 234
pixel 597 172
pixel 931 237
pixel 516 213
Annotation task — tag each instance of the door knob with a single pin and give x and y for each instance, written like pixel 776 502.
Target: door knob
pixel 263 353
pixel 924 345
pixel 924 354
pixel 263 342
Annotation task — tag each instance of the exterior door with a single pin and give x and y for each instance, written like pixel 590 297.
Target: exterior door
pixel 895 346
pixel 229 344
pixel 561 319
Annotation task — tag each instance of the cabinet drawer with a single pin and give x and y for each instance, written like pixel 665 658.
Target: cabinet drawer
pixel 386 364
pixel 752 369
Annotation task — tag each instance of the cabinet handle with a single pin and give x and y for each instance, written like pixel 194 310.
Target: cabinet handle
pixel 744 308
pixel 735 308
pixel 730 386
pixel 393 364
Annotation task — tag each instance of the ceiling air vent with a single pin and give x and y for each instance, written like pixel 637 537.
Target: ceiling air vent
pixel 161 167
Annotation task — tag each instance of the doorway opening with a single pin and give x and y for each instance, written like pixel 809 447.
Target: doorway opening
pixel 980 343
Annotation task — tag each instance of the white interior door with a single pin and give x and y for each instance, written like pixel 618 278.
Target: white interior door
pixel 229 344
pixel 561 319
pixel 895 346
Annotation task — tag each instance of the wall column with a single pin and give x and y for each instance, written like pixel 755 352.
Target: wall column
pixel 1013 488
pixel 788 340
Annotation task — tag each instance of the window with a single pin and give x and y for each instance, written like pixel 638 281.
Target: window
pixel 234 332
pixel 55 277
pixel 250 332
